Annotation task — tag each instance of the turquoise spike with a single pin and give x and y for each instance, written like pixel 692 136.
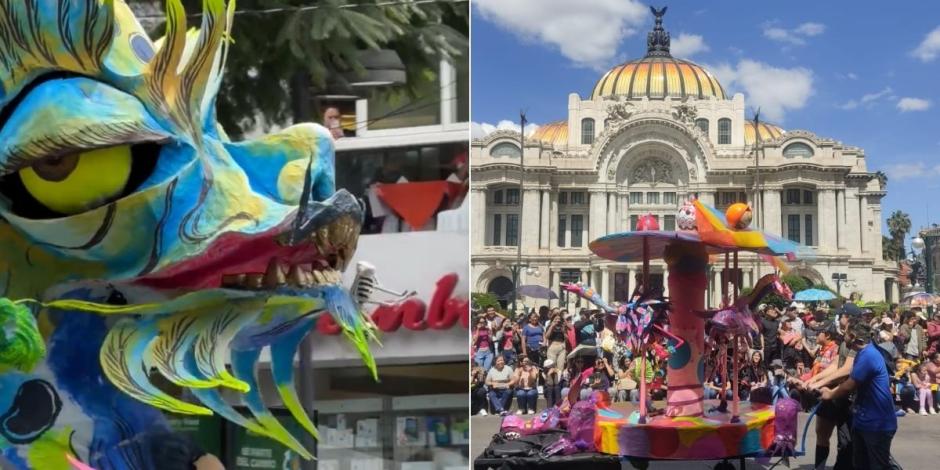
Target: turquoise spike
pixel 282 368
pixel 243 366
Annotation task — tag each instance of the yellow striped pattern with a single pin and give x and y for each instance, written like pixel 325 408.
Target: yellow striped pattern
pixel 554 133
pixel 767 132
pixel 659 77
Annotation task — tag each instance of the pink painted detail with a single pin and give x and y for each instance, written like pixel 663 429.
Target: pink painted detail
pixel 77 464
pixel 688 290
pixel 647 222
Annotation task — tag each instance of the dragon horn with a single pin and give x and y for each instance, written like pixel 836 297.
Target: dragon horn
pixel 282 369
pixel 243 365
pixel 123 363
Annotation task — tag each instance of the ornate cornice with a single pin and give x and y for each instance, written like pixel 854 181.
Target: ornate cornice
pixel 499 134
pixel 601 151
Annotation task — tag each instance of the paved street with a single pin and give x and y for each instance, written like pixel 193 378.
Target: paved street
pixel 916 445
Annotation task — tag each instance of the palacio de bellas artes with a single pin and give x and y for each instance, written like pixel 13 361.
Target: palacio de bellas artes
pixel 651 134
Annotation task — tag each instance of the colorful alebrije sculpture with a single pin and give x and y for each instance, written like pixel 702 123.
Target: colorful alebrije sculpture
pixel 685 218
pixel 636 321
pixel 150 240
pixel 735 326
pixel 739 215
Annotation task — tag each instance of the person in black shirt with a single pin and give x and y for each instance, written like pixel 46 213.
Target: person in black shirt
pixel 770 324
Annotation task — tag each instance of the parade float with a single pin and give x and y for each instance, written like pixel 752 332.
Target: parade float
pixel 139 242
pixel 698 341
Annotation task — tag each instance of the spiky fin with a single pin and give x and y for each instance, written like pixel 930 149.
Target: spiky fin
pixel 39 36
pixel 178 77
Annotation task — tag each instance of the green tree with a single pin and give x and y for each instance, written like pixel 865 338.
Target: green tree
pixel 283 51
pixel 899 224
pixel 882 179
pixel 482 300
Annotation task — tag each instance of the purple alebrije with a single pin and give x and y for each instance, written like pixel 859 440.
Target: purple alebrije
pixel 581 421
pixel 785 422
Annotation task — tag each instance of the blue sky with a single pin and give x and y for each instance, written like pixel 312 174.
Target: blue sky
pixel 864 73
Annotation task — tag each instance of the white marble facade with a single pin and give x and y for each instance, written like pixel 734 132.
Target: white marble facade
pixel 617 157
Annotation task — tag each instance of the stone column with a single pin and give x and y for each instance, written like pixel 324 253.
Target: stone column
pixel 873 207
pixel 605 289
pixel 553 221
pixel 478 218
pixel 630 284
pixel 772 218
pixel 544 221
pixel 840 219
pixel 528 227
pixel 853 226
pixel 553 283
pixel 598 215
pixel 624 212
pixel 825 213
pixel 611 213
pixel 707 196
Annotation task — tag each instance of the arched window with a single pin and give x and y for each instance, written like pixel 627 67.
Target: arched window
pixel 505 149
pixel 587 131
pixel 702 124
pixel 798 149
pixel 724 131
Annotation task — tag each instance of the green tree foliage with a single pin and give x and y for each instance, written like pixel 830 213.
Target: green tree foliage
pixel 482 300
pixel 899 224
pixel 278 59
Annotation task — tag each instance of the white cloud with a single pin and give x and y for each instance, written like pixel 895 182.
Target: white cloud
pixel 479 130
pixel 774 89
pixel 904 171
pixel 869 98
pixel 913 104
pixel 796 36
pixel 929 48
pixel 810 29
pixel 687 45
pixel 587 32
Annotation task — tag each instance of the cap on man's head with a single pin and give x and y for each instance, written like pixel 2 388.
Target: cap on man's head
pixel 776 364
pixel 548 363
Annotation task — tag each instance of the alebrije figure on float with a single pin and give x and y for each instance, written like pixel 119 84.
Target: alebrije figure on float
pixel 149 240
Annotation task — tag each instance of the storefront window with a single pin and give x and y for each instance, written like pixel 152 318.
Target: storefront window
pixel 357 170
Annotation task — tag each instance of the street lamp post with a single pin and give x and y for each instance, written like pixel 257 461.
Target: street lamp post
pixel 925 241
pixel 518 266
pixel 839 278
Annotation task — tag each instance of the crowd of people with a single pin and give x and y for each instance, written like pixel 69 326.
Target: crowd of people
pixel 800 350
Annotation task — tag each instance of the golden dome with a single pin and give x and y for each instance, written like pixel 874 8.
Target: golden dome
pixel 659 77
pixel 553 133
pixel 658 74
pixel 767 132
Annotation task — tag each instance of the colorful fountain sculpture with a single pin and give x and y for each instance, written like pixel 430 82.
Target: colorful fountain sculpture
pixel 687 430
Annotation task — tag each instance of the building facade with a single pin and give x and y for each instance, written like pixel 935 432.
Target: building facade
pixel 653 133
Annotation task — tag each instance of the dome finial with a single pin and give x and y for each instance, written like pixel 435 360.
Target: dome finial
pixel 657 40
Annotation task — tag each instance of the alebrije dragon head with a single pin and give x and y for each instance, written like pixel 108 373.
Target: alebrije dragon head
pixel 122 197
